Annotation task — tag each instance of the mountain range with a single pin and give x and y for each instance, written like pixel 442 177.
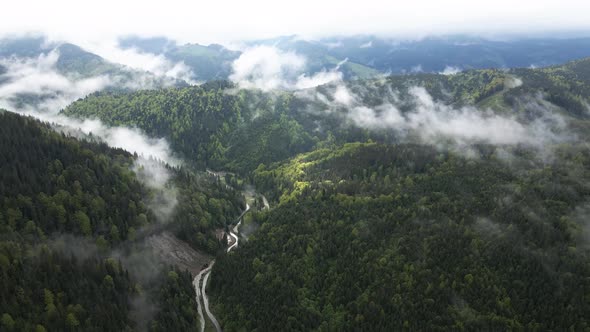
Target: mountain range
pixel 342 184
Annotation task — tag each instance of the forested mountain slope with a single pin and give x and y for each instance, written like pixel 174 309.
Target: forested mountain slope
pixel 392 237
pixel 419 202
pixel 72 61
pixel 220 126
pixel 362 57
pixel 213 125
pixel 37 74
pixel 72 211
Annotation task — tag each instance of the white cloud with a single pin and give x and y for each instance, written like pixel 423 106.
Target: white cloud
pixel 129 139
pixel 343 96
pixel 39 77
pixel 149 166
pixel 334 44
pixel 384 116
pixel 431 119
pixel 268 68
pixel 512 82
pixel 157 177
pixel 367 44
pixel 133 58
pixel 433 122
pixel 450 70
pixel 320 78
pixel 416 69
pixel 51 91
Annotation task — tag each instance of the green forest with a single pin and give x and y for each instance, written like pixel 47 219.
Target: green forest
pixel 220 126
pixel 391 237
pixel 71 210
pixel 370 228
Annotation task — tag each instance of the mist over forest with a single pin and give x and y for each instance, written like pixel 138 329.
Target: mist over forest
pixel 302 167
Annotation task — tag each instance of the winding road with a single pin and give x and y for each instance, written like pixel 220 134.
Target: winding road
pixel 200 281
pixel 196 282
pixel 200 288
pixel 265 202
pixel 235 231
pixel 206 299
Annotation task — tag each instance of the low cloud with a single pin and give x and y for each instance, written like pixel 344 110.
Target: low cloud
pixel 450 70
pixel 431 119
pixel 34 87
pixel 39 81
pixel 150 166
pixel 333 44
pixel 343 96
pixel 418 116
pixel 321 78
pixel 70 245
pixel 367 44
pixel 268 68
pixel 512 82
pixel 129 139
pixel 416 69
pixel 154 174
pixel 36 83
pixel 133 58
pixel 385 116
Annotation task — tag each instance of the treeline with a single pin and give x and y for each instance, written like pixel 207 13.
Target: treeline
pixel 213 125
pixel 393 237
pixel 390 235
pixel 567 86
pixel 45 289
pixel 217 125
pixel 53 183
pixel 65 203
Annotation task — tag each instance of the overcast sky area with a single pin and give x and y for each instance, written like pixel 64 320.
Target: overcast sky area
pixel 223 21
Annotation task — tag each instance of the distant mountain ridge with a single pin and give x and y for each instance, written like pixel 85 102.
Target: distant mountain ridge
pixel 357 57
pixel 72 60
pixel 449 202
pixel 367 56
pixel 36 73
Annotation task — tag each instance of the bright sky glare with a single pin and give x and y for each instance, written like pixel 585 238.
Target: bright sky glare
pixel 224 21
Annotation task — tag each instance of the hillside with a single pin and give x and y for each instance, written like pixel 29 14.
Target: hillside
pixel 365 232
pixel 208 124
pixel 446 201
pixel 37 74
pixel 218 126
pixel 73 218
pixel 370 56
pixel 214 62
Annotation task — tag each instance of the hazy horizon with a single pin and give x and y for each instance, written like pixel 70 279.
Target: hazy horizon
pixel 227 22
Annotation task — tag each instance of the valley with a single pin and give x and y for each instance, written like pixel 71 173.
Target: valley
pixel 233 235
pixel 420 200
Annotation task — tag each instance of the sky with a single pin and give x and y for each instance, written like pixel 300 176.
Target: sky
pixel 224 21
